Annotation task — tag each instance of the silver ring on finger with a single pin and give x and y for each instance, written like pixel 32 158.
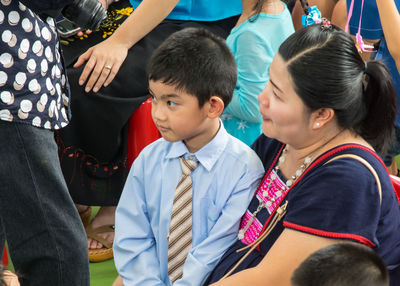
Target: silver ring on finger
pixel 107 67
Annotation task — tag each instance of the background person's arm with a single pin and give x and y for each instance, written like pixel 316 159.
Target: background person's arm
pixel 113 51
pixel 390 20
pixel 252 61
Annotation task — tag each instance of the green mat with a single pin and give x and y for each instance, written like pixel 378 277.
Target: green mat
pixel 102 273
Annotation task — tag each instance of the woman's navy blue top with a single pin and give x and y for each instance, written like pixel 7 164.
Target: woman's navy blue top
pixel 338 200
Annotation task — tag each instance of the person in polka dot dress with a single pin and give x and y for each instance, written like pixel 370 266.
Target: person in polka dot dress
pixel 46 239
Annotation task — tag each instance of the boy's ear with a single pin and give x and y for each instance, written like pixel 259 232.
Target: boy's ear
pixel 216 106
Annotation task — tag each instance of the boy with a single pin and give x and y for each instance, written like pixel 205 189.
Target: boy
pixel 342 264
pixel 191 78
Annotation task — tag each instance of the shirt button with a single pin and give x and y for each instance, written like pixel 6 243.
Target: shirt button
pixel 190 157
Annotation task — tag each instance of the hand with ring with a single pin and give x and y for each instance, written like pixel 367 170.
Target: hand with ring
pixel 102 64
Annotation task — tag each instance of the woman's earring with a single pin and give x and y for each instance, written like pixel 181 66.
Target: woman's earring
pixel 317 124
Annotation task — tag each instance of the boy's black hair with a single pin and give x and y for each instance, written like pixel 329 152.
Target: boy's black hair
pixel 342 264
pixel 196 61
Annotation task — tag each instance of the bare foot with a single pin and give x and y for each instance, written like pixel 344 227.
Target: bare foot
pixel 105 216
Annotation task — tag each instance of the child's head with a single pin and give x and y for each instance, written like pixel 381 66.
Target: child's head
pixel 192 76
pixel 195 61
pixel 342 264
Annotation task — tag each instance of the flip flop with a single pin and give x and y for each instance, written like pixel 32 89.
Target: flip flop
pixel 85 216
pixel 104 253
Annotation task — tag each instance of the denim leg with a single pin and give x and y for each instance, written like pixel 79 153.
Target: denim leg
pixel 45 236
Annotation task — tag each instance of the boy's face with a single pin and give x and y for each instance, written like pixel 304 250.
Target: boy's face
pixel 178 116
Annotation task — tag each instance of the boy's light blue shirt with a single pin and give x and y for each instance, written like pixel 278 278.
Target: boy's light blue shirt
pixel 202 10
pixel 223 185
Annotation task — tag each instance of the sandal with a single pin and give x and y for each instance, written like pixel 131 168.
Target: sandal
pixel 85 216
pixel 104 253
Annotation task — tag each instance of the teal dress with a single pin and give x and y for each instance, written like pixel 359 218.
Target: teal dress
pixel 202 10
pixel 254 45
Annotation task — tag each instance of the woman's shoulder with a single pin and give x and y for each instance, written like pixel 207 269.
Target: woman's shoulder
pixel 340 199
pixel 365 160
pixel 347 169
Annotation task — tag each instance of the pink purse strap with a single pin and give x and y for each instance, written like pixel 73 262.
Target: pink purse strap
pixel 346 29
pixel 362 47
pixel 350 14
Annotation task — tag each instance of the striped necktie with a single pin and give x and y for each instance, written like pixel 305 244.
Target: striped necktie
pixel 180 230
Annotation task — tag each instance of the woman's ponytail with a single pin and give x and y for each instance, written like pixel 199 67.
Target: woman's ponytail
pixel 380 101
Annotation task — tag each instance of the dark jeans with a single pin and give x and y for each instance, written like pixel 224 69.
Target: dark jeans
pixel 46 239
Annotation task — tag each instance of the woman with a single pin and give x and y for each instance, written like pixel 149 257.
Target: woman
pixel 322 101
pixel 108 82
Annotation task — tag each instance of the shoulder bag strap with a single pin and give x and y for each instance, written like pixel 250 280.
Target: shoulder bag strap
pixel 366 164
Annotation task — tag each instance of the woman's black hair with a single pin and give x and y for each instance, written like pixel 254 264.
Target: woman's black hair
pixel 328 72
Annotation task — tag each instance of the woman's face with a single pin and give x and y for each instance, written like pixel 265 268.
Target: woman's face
pixel 285 117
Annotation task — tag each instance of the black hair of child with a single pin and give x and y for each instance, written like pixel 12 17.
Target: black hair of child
pixel 197 62
pixel 342 264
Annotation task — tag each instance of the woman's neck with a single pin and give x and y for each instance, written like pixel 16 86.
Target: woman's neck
pixel 248 6
pixel 323 143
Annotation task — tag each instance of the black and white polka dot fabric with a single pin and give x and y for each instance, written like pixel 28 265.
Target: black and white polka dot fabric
pixel 33 84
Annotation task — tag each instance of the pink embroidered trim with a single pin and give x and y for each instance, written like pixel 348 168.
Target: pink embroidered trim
pixel 276 186
pixel 253 232
pixel 274 191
